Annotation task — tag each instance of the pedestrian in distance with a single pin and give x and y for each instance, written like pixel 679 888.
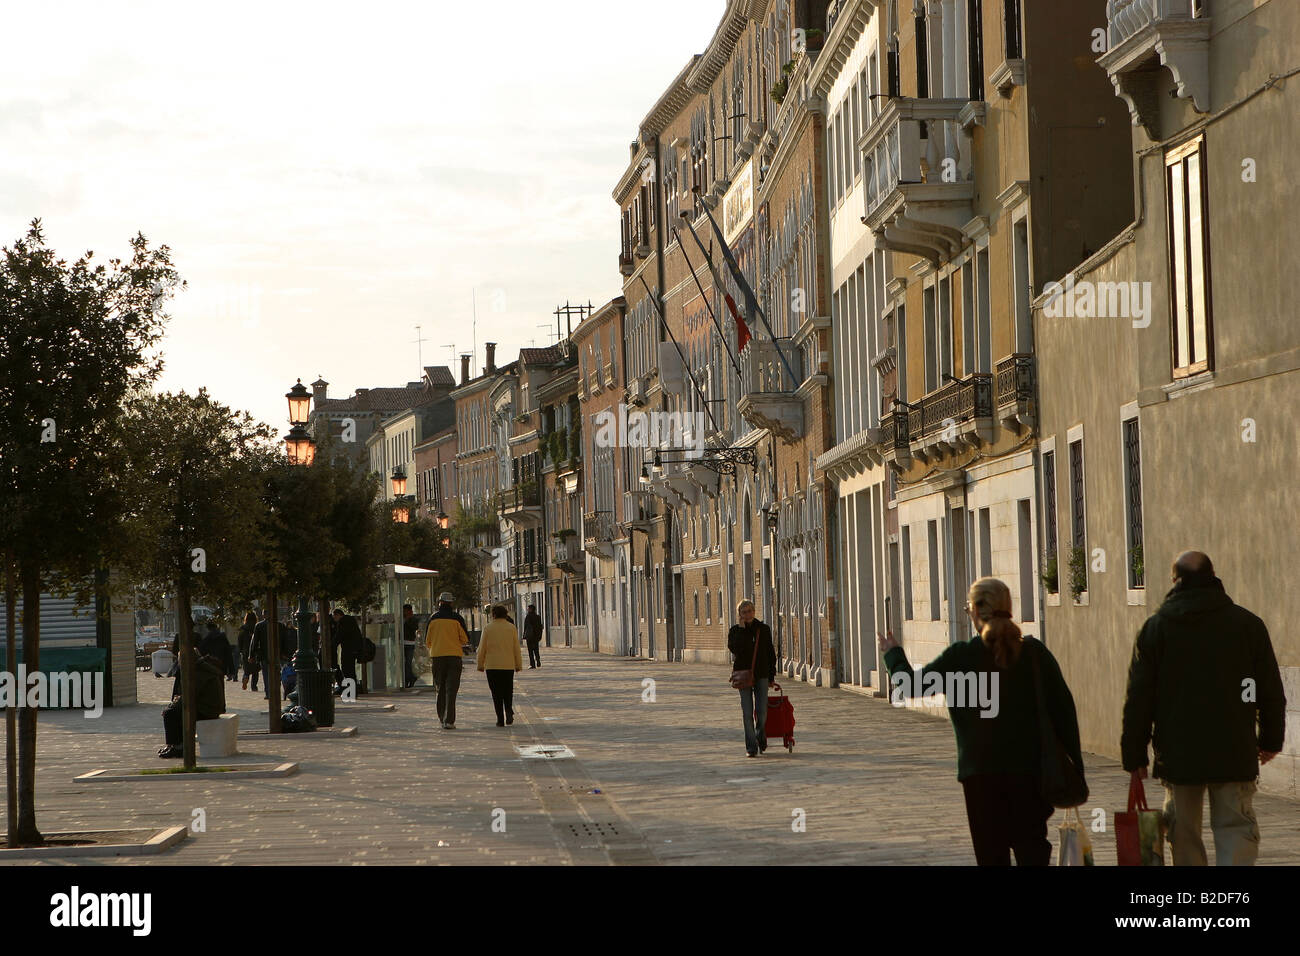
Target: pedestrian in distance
pixel 410 634
pixel 220 648
pixel 1204 689
pixel 989 682
pixel 500 658
pixel 533 630
pixel 347 635
pixel 244 640
pixel 446 639
pixel 753 654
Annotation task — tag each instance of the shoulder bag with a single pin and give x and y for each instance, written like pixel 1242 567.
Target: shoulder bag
pixel 1061 781
pixel 742 680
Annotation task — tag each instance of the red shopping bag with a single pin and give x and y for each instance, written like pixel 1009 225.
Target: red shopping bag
pixel 1139 832
pixel 780 717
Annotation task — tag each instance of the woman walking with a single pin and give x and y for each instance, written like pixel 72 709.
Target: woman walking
pixel 990 687
pixel 244 641
pixel 754 669
pixel 499 656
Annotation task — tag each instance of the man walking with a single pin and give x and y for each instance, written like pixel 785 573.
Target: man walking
pixel 410 629
pixel 1203 672
pixel 349 642
pixel 533 636
pixel 446 639
pixel 260 650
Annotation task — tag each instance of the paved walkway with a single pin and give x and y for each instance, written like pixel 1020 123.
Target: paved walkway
pixel 664 781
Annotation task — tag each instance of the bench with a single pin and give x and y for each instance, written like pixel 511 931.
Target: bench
pixel 217 738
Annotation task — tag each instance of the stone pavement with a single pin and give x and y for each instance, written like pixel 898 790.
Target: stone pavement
pixel 664 781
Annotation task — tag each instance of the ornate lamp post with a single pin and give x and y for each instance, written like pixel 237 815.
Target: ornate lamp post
pixel 314 685
pixel 401 512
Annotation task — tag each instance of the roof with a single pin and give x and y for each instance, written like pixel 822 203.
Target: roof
pixel 439 375
pixel 551 355
pixel 388 400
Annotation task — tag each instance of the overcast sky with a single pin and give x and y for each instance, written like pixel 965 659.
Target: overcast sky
pixel 329 176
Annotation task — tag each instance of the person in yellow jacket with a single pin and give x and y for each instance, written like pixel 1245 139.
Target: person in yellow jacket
pixel 446 639
pixel 499 656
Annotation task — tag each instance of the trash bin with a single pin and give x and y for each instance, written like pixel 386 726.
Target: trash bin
pixel 377 676
pixel 162 662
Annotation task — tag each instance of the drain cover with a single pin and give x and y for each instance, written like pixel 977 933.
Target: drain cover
pixel 546 751
pixel 601 830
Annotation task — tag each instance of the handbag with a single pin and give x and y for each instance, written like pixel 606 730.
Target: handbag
pixel 743 680
pixel 1139 832
pixel 1061 780
pixel 1076 846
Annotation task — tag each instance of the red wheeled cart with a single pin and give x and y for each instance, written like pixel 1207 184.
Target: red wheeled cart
pixel 780 717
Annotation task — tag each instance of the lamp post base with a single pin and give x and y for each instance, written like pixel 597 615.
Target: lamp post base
pixel 315 692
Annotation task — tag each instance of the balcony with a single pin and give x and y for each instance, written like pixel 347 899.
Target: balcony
pixel 598 533
pixel 626 264
pixel 1142 36
pixel 893 446
pixel 769 400
pixel 1014 391
pixel 521 505
pixel 952 417
pixel 636 390
pixel 527 571
pixel 918 172
pixel 638 510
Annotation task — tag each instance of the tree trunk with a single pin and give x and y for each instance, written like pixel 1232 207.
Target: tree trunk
pixel 272 664
pixel 11 713
pixel 189 683
pixel 27 834
pixel 326 653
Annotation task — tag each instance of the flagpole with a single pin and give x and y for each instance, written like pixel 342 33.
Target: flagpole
pixel 686 366
pixel 750 299
pixel 734 364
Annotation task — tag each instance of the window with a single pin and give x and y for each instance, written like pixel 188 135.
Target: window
pixel 1023 287
pixel 975 35
pixel 1011 29
pixel 922 55
pixel 1049 513
pixel 907 573
pixel 1133 502
pixel 1078 525
pixel 1189 273
pixel 945 329
pixel 968 344
pixel 932 533
pixel 986 544
pixel 984 332
pixel 1025 542
pixel 931 343
pixel 697 607
pixel 708 607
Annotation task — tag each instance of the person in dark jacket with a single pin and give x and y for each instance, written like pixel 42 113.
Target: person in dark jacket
pixel 222 648
pixel 533 636
pixel 347 635
pixel 750 643
pixel 410 634
pixel 1204 676
pixel 259 650
pixel 988 685
pixel 243 642
pixel 210 697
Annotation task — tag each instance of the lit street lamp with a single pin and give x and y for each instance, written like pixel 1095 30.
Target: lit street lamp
pixel 401 510
pixel 315 690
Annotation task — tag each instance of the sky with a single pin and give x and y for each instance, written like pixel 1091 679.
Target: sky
pixel 329 176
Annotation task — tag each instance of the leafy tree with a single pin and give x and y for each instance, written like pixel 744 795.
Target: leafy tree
pixel 75 340
pixel 197 472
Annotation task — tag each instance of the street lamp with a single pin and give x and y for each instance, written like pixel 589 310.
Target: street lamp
pixel 315 692
pixel 443 520
pixel 399 482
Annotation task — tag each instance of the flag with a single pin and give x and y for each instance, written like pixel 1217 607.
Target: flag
pixel 742 330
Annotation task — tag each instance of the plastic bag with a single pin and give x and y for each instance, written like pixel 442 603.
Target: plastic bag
pixel 1076 845
pixel 297 720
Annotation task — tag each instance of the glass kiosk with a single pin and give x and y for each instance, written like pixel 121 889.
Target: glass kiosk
pixel 402 584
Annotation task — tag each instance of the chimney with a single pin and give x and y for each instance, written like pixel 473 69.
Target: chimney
pixel 464 367
pixel 318 390
pixel 491 356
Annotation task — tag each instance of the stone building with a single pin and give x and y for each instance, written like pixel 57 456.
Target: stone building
pixel 1169 356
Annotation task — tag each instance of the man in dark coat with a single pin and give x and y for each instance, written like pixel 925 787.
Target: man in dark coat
pixel 750 643
pixel 1203 674
pixel 347 636
pixel 533 636
pixel 210 697
pixel 410 634
pixel 259 650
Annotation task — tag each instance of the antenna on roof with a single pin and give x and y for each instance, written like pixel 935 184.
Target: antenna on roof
pixel 419 348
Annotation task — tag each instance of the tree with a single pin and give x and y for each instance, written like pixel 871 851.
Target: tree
pixel 197 473
pixel 75 340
